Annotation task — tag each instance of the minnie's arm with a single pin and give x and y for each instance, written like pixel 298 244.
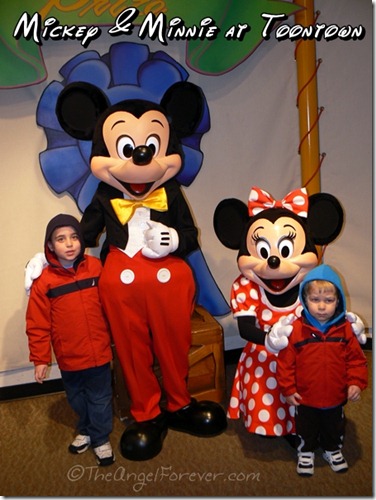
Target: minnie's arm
pixel 249 331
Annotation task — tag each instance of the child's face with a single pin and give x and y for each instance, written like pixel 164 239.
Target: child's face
pixel 66 244
pixel 321 302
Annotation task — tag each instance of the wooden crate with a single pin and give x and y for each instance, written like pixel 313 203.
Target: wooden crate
pixel 206 376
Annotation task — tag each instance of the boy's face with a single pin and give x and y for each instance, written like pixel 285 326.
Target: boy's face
pixel 322 302
pixel 66 244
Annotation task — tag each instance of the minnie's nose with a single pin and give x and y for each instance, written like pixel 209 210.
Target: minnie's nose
pixel 274 262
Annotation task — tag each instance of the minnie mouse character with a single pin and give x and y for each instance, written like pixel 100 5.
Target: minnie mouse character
pixel 146 287
pixel 276 242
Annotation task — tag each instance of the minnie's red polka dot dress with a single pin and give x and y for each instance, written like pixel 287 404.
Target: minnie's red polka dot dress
pixel 255 394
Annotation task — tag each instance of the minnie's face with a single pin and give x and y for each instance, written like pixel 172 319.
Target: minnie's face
pixel 138 162
pixel 276 260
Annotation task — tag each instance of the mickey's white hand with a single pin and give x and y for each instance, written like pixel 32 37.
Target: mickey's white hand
pixel 277 338
pixel 34 269
pixel 160 240
pixel 357 326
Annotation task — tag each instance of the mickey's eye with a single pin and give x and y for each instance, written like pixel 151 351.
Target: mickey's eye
pixel 263 249
pixel 154 144
pixel 286 248
pixel 125 147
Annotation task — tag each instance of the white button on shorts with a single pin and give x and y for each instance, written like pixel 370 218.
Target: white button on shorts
pixel 127 276
pixel 163 275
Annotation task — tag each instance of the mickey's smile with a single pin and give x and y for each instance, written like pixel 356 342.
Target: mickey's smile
pixel 136 189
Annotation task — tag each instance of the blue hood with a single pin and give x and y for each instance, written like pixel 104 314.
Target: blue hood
pixel 326 273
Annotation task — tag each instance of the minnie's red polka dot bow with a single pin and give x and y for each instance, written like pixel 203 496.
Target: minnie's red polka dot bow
pixel 296 201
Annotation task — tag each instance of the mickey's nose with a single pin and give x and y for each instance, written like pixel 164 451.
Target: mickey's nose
pixel 274 262
pixel 142 155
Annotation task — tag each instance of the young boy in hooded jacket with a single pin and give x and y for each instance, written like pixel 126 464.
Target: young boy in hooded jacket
pixel 321 369
pixel 64 311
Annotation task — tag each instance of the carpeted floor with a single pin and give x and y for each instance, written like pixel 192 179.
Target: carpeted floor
pixel 34 460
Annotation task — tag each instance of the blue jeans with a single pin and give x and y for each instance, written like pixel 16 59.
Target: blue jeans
pixel 89 393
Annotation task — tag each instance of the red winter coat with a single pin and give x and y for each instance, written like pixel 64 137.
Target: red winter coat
pixel 64 310
pixel 320 367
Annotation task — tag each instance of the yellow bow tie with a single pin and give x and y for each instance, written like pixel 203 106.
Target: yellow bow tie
pixel 124 209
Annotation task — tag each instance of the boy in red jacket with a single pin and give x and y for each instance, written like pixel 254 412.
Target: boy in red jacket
pixel 321 369
pixel 64 310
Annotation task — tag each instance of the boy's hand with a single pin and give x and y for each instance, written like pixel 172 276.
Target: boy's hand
pixel 34 269
pixel 353 393
pixel 40 373
pixel 294 399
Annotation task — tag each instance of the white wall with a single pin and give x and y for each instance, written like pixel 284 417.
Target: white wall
pixel 253 140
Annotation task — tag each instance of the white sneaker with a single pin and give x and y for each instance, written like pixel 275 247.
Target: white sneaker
pixel 306 463
pixel 336 460
pixel 80 444
pixel 104 454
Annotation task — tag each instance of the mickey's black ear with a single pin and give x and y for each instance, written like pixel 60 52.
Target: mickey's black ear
pixel 184 103
pixel 78 107
pixel 325 218
pixel 230 219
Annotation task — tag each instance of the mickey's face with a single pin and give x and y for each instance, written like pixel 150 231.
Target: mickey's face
pixel 138 162
pixel 276 260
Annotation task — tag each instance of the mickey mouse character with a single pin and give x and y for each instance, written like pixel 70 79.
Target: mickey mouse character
pixel 146 287
pixel 276 242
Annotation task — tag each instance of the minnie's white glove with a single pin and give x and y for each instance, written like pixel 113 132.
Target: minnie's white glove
pixel 160 240
pixel 357 326
pixel 277 338
pixel 34 269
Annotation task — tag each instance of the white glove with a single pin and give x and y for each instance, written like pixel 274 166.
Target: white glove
pixel 357 326
pixel 277 338
pixel 34 269
pixel 160 240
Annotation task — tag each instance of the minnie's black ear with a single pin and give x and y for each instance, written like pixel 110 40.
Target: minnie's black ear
pixel 325 218
pixel 230 219
pixel 78 107
pixel 184 103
